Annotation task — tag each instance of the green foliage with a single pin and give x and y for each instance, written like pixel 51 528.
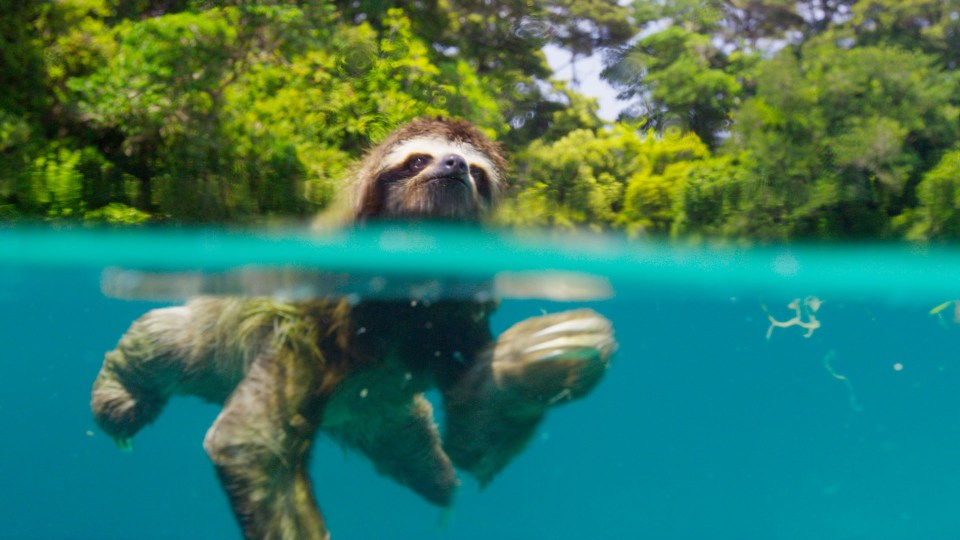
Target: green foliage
pixel 21 59
pixel 54 184
pixel 235 112
pixel 576 181
pixel 162 77
pixel 712 201
pixel 162 91
pixel 938 215
pixel 772 119
pixel 680 80
pixel 117 214
pixel 14 131
pixel 932 26
pixel 605 179
pixel 655 189
pixel 59 180
pixel 582 26
pixel 838 139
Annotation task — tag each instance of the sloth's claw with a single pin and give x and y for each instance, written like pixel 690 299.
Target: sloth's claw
pixel 555 358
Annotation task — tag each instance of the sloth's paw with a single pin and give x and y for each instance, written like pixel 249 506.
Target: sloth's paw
pixel 555 358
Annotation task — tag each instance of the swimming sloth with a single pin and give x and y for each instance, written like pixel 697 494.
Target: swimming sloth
pixel 357 370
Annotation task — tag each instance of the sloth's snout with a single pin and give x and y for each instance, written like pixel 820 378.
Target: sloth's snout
pixel 452 165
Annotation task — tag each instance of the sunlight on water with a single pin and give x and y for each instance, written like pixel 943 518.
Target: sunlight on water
pixel 457 262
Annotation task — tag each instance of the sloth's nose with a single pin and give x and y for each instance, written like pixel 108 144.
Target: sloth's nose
pixel 452 164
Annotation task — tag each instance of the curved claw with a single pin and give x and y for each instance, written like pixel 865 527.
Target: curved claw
pixel 555 358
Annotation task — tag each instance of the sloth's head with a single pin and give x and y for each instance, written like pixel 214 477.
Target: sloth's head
pixel 431 168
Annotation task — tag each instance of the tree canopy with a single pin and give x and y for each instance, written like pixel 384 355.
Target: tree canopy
pixel 763 119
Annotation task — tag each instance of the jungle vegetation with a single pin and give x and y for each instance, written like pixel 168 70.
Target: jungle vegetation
pixel 759 119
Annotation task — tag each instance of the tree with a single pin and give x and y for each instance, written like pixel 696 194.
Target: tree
pixel 605 179
pixel 654 192
pixel 229 113
pixel 584 26
pixel 576 181
pixel 185 111
pixel 679 79
pixel 836 139
pixel 712 200
pixel 693 62
pixel 677 73
pixel 938 213
pixel 932 26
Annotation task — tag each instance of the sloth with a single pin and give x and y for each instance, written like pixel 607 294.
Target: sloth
pixel 357 369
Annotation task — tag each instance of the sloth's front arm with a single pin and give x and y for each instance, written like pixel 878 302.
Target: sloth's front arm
pixel 494 398
pixel 493 409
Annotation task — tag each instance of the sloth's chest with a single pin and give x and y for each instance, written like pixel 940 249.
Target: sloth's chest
pixel 371 392
pixel 409 337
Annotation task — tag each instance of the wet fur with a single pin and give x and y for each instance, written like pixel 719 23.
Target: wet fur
pixel 355 370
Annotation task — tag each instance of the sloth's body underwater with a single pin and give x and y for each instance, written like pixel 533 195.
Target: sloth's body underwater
pixel 357 370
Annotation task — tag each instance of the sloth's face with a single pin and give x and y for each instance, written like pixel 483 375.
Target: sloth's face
pixel 434 178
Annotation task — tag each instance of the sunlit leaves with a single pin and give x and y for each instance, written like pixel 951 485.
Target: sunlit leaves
pixel 245 111
pixel 616 179
pixel 654 191
pixel 938 215
pixel 775 119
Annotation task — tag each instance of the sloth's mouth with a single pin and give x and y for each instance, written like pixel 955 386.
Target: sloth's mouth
pixel 452 179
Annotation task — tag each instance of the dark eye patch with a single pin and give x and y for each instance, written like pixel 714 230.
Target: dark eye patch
pixel 374 198
pixel 481 180
pixel 418 162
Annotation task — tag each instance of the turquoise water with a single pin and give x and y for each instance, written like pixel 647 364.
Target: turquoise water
pixel 708 425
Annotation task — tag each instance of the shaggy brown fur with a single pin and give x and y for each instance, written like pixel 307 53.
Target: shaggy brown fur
pixel 357 370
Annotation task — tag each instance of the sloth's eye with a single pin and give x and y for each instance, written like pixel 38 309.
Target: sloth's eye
pixel 418 163
pixel 482 182
pixel 478 174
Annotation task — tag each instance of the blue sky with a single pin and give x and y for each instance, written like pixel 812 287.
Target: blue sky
pixel 588 71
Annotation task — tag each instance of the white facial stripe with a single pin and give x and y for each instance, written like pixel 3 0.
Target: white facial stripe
pixel 438 147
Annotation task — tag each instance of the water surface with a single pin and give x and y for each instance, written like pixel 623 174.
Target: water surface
pixel 710 423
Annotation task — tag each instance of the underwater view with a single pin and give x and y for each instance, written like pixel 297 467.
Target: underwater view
pixel 778 392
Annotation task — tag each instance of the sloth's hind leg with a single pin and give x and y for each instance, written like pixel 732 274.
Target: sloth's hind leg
pixel 538 363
